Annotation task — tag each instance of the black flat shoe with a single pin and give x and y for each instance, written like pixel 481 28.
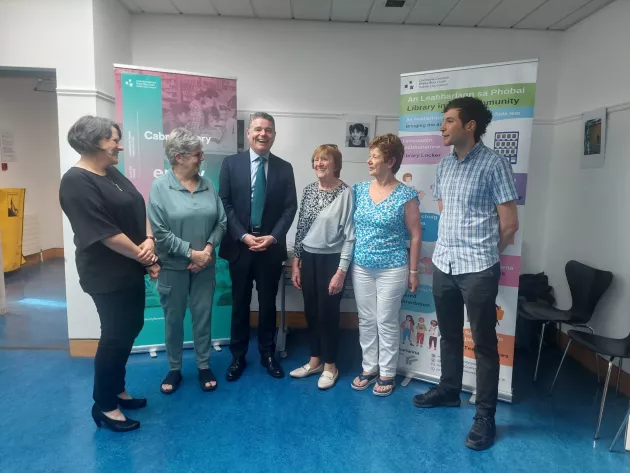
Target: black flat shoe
pixel 273 367
pixel 113 425
pixel 236 368
pixel 135 403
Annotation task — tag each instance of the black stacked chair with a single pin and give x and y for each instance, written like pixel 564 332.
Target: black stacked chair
pixel 606 346
pixel 587 286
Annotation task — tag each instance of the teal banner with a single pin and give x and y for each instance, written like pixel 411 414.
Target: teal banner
pixel 149 105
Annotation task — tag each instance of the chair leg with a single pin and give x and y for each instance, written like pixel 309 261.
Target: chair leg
pixel 542 336
pixel 601 409
pixel 596 359
pixel 621 427
pixel 619 374
pixel 560 366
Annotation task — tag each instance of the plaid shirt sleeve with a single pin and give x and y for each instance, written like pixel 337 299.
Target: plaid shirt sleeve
pixel 437 192
pixel 502 183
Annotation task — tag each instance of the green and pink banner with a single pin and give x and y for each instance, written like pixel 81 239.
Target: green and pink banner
pixel 150 103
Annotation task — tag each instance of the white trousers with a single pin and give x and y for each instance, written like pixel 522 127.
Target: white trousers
pixel 378 294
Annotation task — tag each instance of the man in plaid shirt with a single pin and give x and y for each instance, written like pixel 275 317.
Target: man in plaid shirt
pixel 477 198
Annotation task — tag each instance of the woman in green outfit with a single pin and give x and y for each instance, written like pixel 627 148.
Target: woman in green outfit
pixel 188 222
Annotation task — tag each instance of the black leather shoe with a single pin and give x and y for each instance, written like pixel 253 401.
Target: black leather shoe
pixel 435 397
pixel 235 370
pixel 482 433
pixel 273 367
pixel 114 425
pixel 136 403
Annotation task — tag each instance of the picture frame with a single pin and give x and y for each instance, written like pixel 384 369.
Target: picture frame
pixel 593 139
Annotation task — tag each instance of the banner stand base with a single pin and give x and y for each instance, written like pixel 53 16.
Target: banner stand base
pixel 503 396
pixel 153 349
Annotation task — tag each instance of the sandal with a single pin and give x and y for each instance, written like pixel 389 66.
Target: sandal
pixel 384 382
pixel 370 378
pixel 207 376
pixel 173 378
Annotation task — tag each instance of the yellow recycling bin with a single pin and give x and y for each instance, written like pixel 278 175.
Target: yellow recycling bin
pixel 12 226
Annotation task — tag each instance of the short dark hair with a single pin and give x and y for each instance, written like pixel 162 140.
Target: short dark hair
pixel 392 149
pixel 88 131
pixel 471 108
pixel 264 115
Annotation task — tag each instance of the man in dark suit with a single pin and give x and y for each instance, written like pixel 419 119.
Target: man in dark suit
pixel 258 193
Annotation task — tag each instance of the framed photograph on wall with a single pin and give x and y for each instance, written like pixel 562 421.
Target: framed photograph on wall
pixel 594 139
pixel 356 131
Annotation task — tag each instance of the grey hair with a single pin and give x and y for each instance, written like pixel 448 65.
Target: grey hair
pixel 264 115
pixel 88 131
pixel 180 141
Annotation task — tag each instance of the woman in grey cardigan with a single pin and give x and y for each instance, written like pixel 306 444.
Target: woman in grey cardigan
pixel 188 222
pixel 324 244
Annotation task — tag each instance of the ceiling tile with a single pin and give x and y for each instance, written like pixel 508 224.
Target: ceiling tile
pixel 351 10
pixel 130 5
pixel 156 6
pixel 550 13
pixel 470 12
pixel 311 10
pixel 510 12
pixel 233 7
pixel 272 8
pixel 430 12
pixel 382 14
pixel 195 7
pixel 578 15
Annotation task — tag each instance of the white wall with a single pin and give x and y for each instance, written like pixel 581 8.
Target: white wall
pixel 32 117
pixel 587 210
pixel 112 41
pixel 303 66
pixel 49 34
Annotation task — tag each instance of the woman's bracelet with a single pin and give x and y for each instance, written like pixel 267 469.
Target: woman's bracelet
pixel 414 271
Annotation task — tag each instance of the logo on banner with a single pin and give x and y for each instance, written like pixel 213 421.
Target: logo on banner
pixel 129 83
pixel 430 224
pixel 420 301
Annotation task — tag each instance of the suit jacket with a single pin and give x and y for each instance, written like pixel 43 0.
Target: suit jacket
pixel 280 203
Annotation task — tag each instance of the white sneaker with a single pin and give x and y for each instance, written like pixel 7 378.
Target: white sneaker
pixel 327 380
pixel 306 370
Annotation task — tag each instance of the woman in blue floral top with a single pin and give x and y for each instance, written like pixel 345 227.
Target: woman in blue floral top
pixel 387 214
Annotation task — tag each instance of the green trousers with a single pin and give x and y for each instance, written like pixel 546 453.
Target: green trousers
pixel 179 289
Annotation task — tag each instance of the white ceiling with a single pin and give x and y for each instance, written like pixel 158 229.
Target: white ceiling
pixel 523 14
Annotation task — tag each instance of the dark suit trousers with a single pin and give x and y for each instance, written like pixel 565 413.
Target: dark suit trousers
pixel 265 268
pixel 478 291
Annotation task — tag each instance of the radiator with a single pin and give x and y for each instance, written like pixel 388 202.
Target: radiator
pixel 30 236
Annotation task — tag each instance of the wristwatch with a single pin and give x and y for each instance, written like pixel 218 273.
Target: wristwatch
pixel 151 237
pixel 414 271
pixel 189 253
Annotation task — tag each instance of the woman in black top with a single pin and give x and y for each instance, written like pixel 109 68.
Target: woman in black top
pixel 114 250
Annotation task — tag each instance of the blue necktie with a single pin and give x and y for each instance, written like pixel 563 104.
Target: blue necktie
pixel 258 200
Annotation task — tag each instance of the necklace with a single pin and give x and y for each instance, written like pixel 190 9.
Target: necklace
pixel 107 177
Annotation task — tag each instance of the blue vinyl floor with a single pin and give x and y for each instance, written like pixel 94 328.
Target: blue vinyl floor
pixel 260 424
pixel 36 298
